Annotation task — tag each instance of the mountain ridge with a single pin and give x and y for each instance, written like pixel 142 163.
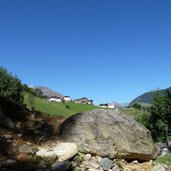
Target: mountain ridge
pixel 48 92
pixel 147 98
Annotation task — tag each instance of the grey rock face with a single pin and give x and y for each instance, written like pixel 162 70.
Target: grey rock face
pixel 48 92
pixel 109 133
pixel 5 121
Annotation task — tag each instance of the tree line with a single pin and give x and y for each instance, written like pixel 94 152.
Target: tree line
pixel 12 88
pixel 158 117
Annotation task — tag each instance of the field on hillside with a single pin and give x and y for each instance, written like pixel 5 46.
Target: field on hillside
pixel 134 112
pixel 52 108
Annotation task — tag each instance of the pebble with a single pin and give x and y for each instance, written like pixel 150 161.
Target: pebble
pixel 20 135
pixel 135 162
pixel 11 161
pixel 87 157
pixel 60 166
pixel 106 163
pixel 24 149
pixel 8 137
pixel 9 141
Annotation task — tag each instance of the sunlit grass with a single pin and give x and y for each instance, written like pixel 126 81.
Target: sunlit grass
pixel 134 112
pixel 52 108
pixel 164 160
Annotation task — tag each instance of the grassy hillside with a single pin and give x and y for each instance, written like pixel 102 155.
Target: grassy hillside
pixel 52 108
pixel 134 112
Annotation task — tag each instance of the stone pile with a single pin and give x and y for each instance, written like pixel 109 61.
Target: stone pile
pixel 94 163
pixel 70 159
pixel 66 156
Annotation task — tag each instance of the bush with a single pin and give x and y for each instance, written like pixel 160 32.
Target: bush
pixel 158 119
pixel 10 86
pixel 160 116
pixel 136 106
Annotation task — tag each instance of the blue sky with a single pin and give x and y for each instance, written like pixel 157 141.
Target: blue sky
pixel 108 51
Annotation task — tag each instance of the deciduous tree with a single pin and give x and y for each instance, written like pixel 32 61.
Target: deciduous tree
pixel 10 86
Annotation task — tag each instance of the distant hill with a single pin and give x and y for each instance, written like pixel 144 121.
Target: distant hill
pixel 48 92
pixel 147 98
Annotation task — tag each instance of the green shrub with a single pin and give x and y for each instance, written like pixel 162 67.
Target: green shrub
pixel 158 118
pixel 10 86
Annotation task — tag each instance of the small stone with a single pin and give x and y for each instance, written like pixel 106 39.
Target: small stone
pixel 151 162
pixel 78 160
pixel 87 157
pixel 8 137
pixel 65 151
pixel 83 169
pixel 116 168
pixel 19 135
pixel 14 144
pixel 106 163
pixel 77 168
pixel 135 162
pixel 159 167
pixel 95 165
pixel 85 164
pixel 18 125
pixel 28 143
pixel 60 166
pixel 165 151
pixel 9 141
pixel 11 161
pixel 24 149
pixel 94 159
pixel 98 158
pixel 43 152
pixel 74 164
pixel 32 117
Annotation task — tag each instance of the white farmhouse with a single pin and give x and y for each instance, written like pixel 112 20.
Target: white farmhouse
pixel 55 99
pixel 103 105
pixel 67 99
pixel 108 105
pixel 111 106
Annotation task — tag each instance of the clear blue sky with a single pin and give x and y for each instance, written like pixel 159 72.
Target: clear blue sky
pixel 107 50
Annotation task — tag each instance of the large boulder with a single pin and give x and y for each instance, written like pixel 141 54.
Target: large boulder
pixel 109 133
